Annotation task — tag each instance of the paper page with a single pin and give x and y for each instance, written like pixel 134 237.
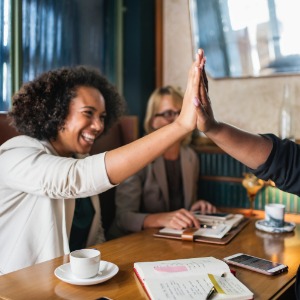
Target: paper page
pixel 229 286
pixel 181 267
pixel 196 287
pixel 234 221
pixel 218 231
pixel 192 278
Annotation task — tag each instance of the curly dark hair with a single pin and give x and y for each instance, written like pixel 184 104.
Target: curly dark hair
pixel 41 106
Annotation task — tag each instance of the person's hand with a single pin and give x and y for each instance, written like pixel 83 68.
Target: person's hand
pixel 188 115
pixel 206 120
pixel 177 219
pixel 204 207
pixel 180 219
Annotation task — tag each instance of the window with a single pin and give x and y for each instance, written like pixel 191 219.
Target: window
pixel 247 37
pixel 54 33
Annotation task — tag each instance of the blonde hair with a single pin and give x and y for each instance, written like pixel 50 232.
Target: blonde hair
pixel 153 105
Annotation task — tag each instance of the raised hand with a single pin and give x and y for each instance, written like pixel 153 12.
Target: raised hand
pixel 188 115
pixel 206 120
pixel 250 149
pixel 125 161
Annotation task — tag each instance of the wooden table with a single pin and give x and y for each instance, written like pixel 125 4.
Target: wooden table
pixel 39 282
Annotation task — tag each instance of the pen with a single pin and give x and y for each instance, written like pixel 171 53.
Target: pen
pixel 211 292
pixel 207 226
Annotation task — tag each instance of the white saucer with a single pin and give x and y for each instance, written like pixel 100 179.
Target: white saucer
pixel 264 226
pixel 107 269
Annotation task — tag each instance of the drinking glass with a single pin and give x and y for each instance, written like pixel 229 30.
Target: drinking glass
pixel 253 185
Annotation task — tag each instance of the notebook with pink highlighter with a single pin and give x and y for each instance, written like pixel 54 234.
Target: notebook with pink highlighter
pixel 192 278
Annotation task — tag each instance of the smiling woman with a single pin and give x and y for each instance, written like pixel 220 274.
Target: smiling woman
pixel 41 96
pixel 46 170
pixel 84 123
pixel 59 115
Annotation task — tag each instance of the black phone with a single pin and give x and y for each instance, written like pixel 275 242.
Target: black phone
pixel 257 264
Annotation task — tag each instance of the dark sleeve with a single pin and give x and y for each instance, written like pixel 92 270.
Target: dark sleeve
pixel 282 166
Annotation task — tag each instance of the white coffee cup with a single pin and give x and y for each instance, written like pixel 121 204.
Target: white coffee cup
pixel 85 263
pixel 274 214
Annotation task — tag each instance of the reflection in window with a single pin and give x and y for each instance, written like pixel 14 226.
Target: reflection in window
pixel 247 37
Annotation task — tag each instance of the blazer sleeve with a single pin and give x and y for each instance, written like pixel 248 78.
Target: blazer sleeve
pixel 96 234
pixel 190 172
pixel 196 176
pixel 128 202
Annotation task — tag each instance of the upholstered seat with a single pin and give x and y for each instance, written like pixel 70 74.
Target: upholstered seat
pixel 6 131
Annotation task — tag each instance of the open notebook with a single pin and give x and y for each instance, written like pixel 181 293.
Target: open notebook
pixel 193 278
pixel 211 231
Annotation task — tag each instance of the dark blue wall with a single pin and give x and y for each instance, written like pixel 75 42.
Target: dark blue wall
pixel 139 51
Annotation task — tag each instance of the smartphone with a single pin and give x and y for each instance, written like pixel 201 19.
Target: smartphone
pixel 257 264
pixel 213 216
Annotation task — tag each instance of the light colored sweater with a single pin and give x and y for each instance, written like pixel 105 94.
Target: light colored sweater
pixel 37 200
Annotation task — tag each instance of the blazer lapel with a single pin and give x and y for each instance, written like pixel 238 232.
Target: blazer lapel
pixel 187 180
pixel 69 214
pixel 161 177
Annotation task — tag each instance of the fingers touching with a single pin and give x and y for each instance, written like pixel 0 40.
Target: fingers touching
pixel 188 115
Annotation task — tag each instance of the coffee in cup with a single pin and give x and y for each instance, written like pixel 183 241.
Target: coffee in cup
pixel 274 214
pixel 85 263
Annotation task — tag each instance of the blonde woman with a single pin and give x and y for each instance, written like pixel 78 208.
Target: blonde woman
pixel 165 192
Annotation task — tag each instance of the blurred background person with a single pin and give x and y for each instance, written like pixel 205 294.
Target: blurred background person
pixel 164 193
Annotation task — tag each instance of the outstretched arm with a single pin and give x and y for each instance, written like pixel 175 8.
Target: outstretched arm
pixel 250 149
pixel 127 160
